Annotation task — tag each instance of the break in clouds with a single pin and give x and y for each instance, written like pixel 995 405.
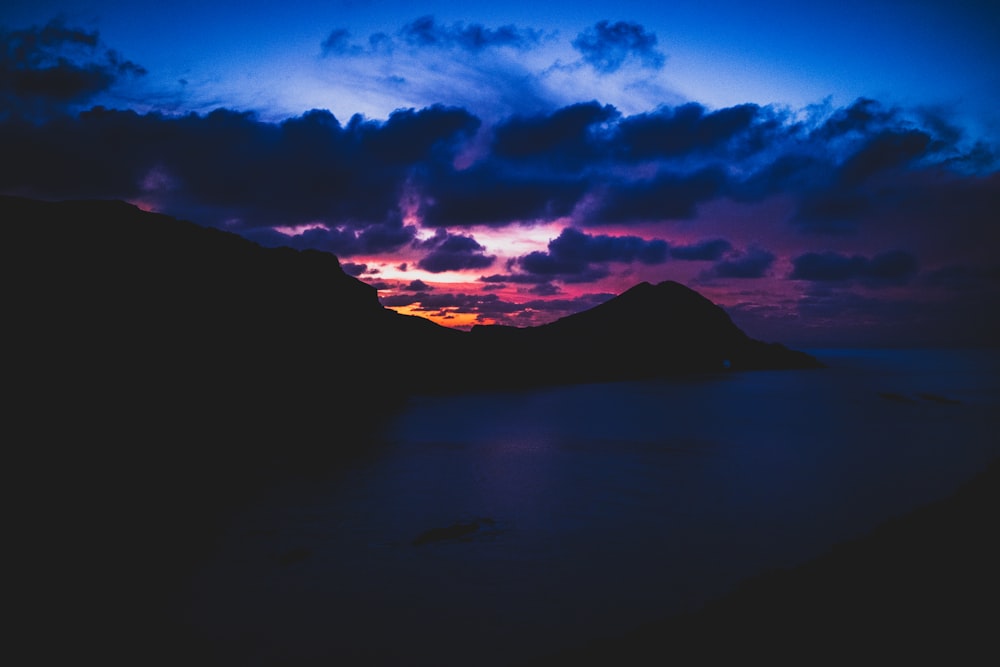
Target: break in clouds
pixel 865 196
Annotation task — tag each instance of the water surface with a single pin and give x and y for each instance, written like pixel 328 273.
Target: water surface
pixel 598 507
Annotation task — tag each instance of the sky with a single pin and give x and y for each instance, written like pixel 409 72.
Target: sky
pixel 827 172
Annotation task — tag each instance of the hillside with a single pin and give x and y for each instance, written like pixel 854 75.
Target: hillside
pixel 160 372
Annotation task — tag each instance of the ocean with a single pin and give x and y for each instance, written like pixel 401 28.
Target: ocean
pixel 491 528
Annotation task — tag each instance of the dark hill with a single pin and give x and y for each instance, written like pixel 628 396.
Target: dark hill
pixel 105 290
pixel 648 331
pixel 157 371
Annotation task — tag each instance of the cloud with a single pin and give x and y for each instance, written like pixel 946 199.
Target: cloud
pixel 342 241
pixel 352 269
pixel 882 152
pixel 545 289
pixel 608 46
pixel 578 257
pixel 487 194
pixel 751 263
pixel 576 245
pixel 490 70
pixel 861 117
pixel 566 138
pixel 452 252
pixel 417 286
pixel 690 128
pixel 894 267
pixel 666 196
pixel 474 37
pixel 832 212
pixel 48 69
pixel 703 251
pixel 227 166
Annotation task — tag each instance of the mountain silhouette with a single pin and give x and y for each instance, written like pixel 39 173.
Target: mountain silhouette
pixel 159 371
pixel 648 331
pixel 107 290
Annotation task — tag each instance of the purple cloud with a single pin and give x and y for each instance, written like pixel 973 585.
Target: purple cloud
pixel 452 252
pixel 752 263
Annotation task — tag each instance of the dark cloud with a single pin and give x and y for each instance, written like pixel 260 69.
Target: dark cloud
pixel 858 164
pixel 832 211
pixel 894 267
pixel 568 137
pixel 46 69
pixel 452 252
pixel 342 241
pixel 689 128
pixel 703 251
pixel 578 257
pixel 426 32
pixel 608 46
pixel 861 117
pixel 572 244
pixel 485 194
pixel 543 267
pixel 884 151
pixel 417 286
pixel 667 196
pixel 752 263
pixel 410 136
pixel 352 269
pixel 545 289
pixel 228 166
pixel 350 184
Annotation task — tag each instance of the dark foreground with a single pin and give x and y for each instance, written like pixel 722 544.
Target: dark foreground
pixel 921 588
pixel 162 373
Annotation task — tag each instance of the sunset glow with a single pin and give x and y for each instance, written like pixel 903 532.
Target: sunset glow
pixel 514 166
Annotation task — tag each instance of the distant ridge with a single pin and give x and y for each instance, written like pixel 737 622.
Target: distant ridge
pixel 647 331
pixel 147 291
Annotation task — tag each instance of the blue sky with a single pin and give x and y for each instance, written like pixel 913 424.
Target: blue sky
pixel 260 55
pixel 826 171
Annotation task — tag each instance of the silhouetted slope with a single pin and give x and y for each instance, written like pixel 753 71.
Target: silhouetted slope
pixel 105 288
pixel 157 371
pixel 920 589
pixel 648 331
pixel 105 294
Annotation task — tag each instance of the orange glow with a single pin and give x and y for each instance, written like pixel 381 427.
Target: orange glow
pixel 446 317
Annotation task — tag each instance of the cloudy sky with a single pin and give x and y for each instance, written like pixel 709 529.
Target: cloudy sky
pixel 828 172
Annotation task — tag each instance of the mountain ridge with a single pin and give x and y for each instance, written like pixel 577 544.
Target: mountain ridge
pixel 162 373
pixel 108 262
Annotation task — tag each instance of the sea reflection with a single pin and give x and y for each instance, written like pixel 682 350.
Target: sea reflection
pixel 493 527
